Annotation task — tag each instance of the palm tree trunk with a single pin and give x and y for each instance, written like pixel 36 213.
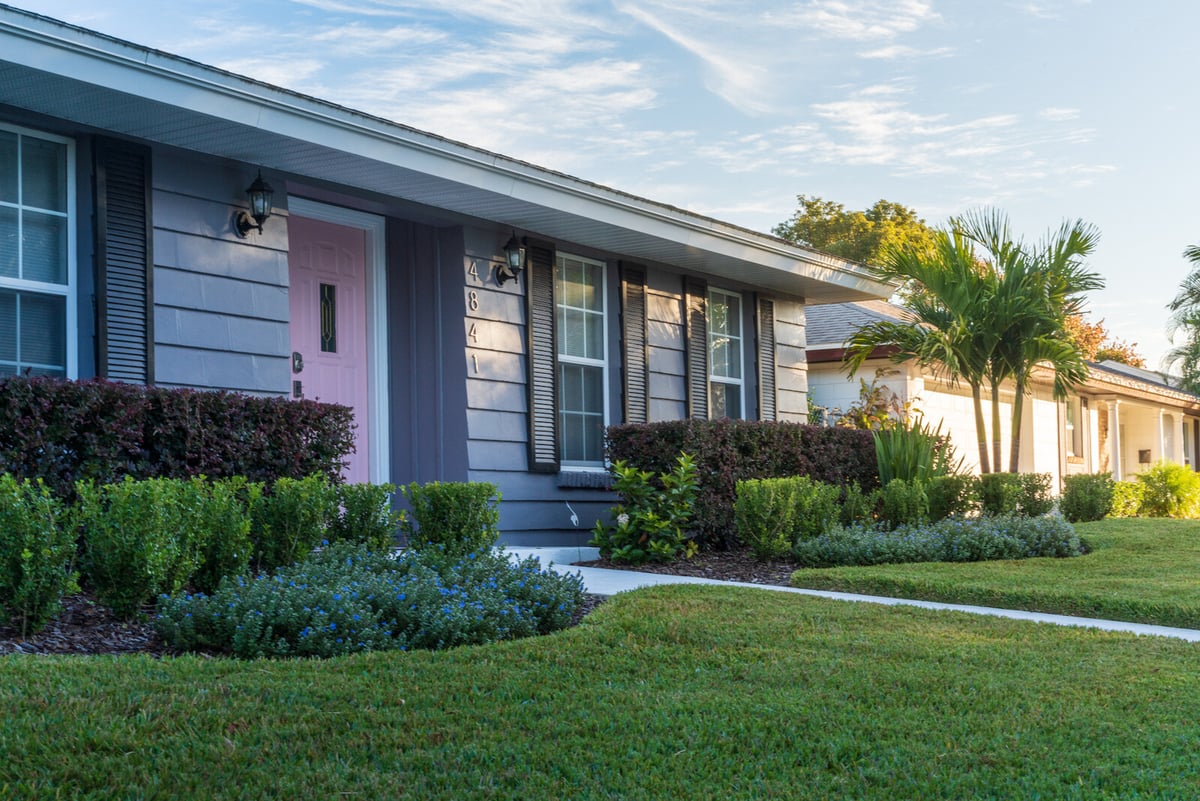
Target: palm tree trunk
pixel 996 443
pixel 980 428
pixel 1018 409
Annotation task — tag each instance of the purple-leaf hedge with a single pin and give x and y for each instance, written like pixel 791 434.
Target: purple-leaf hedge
pixel 728 451
pixel 64 431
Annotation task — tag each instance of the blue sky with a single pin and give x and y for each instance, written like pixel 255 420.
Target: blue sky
pixel 1047 110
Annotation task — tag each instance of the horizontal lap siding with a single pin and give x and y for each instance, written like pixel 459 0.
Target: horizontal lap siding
pixel 220 302
pixel 534 508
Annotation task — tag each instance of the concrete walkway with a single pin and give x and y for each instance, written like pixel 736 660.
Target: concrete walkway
pixel 609 582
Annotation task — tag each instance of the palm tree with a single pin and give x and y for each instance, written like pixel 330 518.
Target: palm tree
pixel 946 330
pixel 1035 290
pixel 1185 317
pixel 985 308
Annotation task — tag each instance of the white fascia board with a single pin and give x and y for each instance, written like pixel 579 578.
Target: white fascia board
pixel 98 60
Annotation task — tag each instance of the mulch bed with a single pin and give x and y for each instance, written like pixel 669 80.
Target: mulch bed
pixel 736 565
pixel 85 627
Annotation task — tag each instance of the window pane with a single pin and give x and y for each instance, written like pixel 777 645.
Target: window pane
pixel 593 390
pixel 43 174
pixel 8 167
pixel 570 387
pixel 719 357
pixel 573 285
pixel 735 359
pixel 734 314
pixel 572 343
pixel 8 243
pixel 593 438
pixel 43 327
pixel 571 426
pixel 725 400
pixel 595 336
pixel 718 315
pixel 45 248
pixel 591 288
pixel 8 327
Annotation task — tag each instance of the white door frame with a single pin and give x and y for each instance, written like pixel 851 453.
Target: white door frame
pixel 374 227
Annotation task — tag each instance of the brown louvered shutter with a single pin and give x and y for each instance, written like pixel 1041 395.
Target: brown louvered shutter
pixel 543 358
pixel 633 335
pixel 766 359
pixel 695 312
pixel 125 262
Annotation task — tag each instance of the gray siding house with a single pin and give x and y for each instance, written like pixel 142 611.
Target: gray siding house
pixel 378 279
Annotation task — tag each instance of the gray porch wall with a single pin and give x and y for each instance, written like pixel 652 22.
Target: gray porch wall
pixel 220 302
pixel 534 510
pixel 427 393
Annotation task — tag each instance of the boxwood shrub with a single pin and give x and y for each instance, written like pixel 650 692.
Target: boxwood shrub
pixel 1086 497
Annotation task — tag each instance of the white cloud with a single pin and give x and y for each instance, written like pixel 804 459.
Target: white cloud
pixel 738 81
pixel 1059 114
pixel 863 20
pixel 893 52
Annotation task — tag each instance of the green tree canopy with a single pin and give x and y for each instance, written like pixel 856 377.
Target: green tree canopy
pixel 857 235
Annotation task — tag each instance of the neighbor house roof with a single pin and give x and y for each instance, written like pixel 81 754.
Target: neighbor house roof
pixel 830 325
pixel 64 71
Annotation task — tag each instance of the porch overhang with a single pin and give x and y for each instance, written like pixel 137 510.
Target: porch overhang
pixel 64 72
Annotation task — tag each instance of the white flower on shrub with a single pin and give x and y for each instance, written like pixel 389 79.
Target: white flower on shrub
pixel 622 519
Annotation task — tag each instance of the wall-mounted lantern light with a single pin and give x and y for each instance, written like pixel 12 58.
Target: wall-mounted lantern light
pixel 514 260
pixel 260 194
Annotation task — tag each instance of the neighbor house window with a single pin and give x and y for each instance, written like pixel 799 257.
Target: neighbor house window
pixel 1074 428
pixel 582 359
pixel 36 254
pixel 725 382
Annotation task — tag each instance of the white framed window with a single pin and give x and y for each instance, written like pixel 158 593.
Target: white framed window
pixel 37 254
pixel 726 383
pixel 580 319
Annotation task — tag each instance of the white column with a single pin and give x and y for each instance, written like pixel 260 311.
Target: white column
pixel 1114 439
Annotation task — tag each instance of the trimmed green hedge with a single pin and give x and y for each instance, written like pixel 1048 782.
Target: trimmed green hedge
pixel 67 431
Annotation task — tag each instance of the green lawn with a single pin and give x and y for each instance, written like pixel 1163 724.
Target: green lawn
pixel 1141 570
pixel 674 692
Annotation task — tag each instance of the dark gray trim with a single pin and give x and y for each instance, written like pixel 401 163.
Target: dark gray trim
pixel 695 317
pixel 765 335
pixel 124 262
pixel 636 372
pixel 585 479
pixel 543 357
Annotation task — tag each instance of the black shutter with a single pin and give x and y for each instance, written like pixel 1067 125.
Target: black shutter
pixel 766 359
pixel 543 358
pixel 125 262
pixel 633 335
pixel 695 314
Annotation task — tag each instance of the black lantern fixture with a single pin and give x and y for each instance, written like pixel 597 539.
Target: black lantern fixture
pixel 260 194
pixel 514 260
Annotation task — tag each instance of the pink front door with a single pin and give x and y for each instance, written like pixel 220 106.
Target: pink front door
pixel 327 292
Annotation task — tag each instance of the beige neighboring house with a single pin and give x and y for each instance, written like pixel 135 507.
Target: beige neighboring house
pixel 1123 419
